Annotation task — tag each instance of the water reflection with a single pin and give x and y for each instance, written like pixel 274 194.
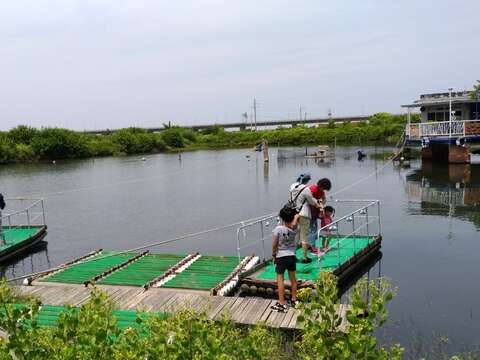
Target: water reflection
pixel 34 259
pixel 448 190
pixel 371 269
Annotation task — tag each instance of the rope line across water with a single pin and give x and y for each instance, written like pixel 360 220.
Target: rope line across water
pixel 218 228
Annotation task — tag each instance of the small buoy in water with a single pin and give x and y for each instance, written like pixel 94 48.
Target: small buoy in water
pixel 26 282
pixel 54 162
pixel 247 156
pixel 402 158
pixel 144 159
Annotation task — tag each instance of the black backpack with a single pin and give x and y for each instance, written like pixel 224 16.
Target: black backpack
pixel 292 203
pixel 2 202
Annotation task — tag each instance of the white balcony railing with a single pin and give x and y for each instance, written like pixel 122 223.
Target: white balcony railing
pixel 443 128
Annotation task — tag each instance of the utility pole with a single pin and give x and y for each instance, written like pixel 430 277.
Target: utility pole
pixel 300 112
pixel 255 112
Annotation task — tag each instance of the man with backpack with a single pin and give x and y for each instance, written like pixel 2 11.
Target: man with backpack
pixel 302 198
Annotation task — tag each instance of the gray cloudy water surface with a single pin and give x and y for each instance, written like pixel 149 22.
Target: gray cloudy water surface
pixel 430 221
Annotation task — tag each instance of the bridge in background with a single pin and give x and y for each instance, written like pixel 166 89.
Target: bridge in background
pixel 259 124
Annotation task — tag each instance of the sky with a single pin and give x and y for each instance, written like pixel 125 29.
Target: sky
pixel 116 63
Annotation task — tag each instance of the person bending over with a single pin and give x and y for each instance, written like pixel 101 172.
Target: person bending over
pixel 283 254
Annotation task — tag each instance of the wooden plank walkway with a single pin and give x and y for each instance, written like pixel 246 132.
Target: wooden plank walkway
pixel 242 310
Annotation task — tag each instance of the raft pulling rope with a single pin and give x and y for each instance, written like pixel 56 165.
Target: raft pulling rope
pixel 125 182
pixel 243 222
pixel 142 247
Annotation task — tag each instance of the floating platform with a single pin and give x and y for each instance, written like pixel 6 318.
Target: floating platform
pixel 48 316
pixel 243 311
pixel 17 239
pixel 345 257
pixel 209 274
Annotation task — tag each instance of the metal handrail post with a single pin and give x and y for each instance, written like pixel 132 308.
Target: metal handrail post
pixel 354 237
pixel 28 218
pixel 338 245
pixel 238 243
pixel 318 252
pixel 43 213
pixel 263 239
pixel 379 219
pixel 366 216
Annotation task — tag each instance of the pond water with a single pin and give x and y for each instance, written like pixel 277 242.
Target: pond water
pixel 430 220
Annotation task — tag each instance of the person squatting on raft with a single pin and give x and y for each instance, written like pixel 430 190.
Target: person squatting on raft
pixel 283 254
pixel 301 195
pixel 318 192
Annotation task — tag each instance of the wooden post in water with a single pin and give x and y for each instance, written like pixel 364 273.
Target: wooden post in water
pixel 265 150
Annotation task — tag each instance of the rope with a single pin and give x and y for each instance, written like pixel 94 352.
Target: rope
pixel 159 243
pixel 242 222
pixel 132 181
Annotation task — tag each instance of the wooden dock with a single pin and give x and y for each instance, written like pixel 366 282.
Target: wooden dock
pixel 242 310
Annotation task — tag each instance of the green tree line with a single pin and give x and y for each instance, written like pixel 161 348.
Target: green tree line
pixel 27 144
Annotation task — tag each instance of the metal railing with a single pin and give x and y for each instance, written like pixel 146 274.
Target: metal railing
pixel 359 213
pixel 258 230
pixel 440 128
pixel 364 221
pixel 25 213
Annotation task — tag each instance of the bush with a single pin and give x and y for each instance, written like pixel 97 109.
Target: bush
pixel 212 130
pixel 173 137
pixel 24 153
pixel 102 146
pixel 22 134
pixel 55 143
pixel 326 337
pixel 7 153
pixel 93 333
pixel 134 141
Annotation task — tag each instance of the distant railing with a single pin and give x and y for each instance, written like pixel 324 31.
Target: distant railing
pixel 26 214
pixel 443 128
pixel 447 196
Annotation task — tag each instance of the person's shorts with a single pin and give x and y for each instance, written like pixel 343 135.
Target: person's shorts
pixel 304 224
pixel 288 263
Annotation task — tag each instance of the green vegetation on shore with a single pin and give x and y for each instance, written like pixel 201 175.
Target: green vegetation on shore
pixel 27 144
pixel 93 332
